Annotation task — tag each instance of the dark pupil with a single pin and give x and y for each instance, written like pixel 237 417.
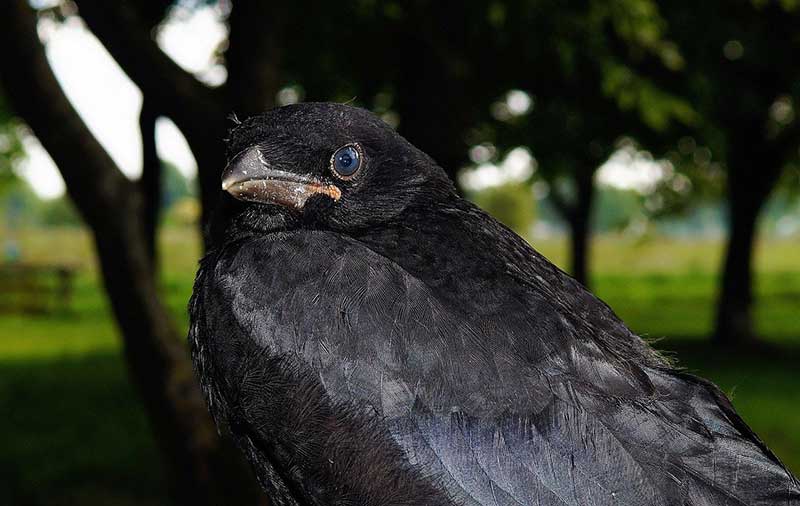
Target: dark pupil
pixel 346 161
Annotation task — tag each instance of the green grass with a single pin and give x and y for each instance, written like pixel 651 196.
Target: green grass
pixel 74 433
pixel 668 288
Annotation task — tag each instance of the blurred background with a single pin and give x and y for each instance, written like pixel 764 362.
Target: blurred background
pixel 650 148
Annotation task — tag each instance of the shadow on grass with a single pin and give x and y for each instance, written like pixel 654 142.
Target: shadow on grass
pixel 75 432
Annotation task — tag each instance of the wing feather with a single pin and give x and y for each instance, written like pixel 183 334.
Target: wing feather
pixel 466 403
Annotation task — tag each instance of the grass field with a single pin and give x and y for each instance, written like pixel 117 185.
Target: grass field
pixel 73 432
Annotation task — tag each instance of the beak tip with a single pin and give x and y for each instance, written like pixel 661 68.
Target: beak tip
pixel 236 171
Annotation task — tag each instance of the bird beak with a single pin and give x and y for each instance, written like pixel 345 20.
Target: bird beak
pixel 248 177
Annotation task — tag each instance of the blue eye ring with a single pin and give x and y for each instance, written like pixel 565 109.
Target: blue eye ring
pixel 347 161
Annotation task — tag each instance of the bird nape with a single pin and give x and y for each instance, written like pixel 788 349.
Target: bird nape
pixel 368 337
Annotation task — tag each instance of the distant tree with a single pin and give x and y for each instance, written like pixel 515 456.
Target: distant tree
pixel 742 78
pixel 57 212
pixel 443 87
pixel 176 185
pixel 10 146
pixel 578 65
pixel 511 204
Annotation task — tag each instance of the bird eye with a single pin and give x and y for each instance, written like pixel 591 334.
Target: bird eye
pixel 346 161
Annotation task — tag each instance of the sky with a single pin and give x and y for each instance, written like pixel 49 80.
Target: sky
pixel 109 104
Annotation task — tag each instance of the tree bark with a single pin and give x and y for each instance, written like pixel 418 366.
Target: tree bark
pixel 150 182
pixel 111 205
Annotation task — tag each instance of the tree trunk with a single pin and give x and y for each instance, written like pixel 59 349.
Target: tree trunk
pixel 576 210
pixel 579 218
pixel 734 325
pixel 748 190
pixel 196 462
pixel 201 470
pixel 150 183
pixel 157 362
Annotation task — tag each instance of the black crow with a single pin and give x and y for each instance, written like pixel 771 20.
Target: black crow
pixel 371 338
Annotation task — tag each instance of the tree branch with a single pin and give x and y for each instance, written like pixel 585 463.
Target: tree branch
pixel 93 180
pixel 197 110
pixel 129 40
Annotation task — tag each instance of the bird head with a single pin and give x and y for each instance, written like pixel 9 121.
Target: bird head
pixel 323 165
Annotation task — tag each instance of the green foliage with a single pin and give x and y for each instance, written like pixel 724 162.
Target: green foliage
pixel 24 207
pixel 18 203
pixel 178 202
pixel 175 186
pixel 57 212
pixel 739 75
pixel 638 22
pixel 615 209
pixel 10 146
pixel 789 184
pixel 657 108
pixel 511 204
